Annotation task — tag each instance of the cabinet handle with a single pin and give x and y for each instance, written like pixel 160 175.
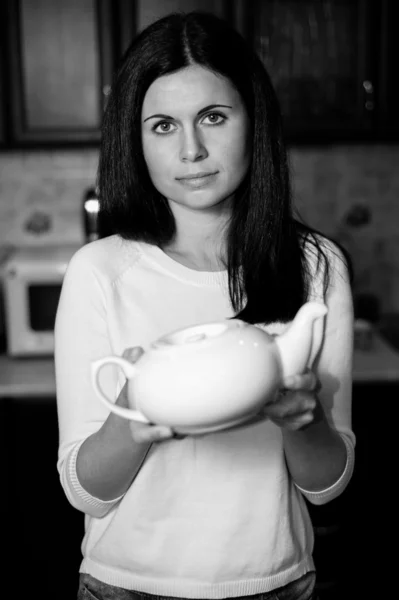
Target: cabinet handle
pixel 368 86
pixel 369 91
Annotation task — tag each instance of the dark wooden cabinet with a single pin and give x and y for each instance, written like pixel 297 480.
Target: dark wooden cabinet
pixel 321 59
pixel 44 531
pixel 371 514
pixel 134 16
pixel 3 107
pixel 352 532
pixel 388 89
pixel 61 55
pixel 60 61
pixel 332 62
pixel 149 10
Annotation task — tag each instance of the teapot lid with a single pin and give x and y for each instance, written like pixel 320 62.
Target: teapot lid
pixel 197 333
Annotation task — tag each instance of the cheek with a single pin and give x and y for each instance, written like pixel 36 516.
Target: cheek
pixel 239 146
pixel 157 160
pixel 237 157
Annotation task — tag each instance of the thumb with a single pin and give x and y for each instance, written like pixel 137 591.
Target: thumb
pixel 133 354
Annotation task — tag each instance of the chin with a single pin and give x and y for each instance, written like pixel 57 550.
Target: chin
pixel 204 203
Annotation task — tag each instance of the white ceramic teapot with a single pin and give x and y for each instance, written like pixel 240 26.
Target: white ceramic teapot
pixel 215 375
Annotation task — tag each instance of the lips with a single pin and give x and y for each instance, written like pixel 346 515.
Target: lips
pixel 199 175
pixel 198 181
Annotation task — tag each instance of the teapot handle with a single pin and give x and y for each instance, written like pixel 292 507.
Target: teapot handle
pixel 130 371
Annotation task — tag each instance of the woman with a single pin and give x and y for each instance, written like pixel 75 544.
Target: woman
pixel 193 177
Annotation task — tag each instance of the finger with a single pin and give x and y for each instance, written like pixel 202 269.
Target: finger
pixel 291 404
pixel 296 422
pixel 301 381
pixel 133 354
pixel 142 433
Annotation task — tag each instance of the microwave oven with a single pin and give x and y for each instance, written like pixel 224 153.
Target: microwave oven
pixel 31 281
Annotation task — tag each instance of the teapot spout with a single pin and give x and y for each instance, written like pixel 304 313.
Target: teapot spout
pixel 299 345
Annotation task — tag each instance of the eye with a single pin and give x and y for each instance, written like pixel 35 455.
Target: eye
pixel 163 127
pixel 214 119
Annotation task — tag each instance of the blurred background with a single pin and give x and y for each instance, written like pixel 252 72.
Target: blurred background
pixel 334 67
pixel 333 63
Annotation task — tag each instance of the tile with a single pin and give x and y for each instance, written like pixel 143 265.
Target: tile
pixel 41 194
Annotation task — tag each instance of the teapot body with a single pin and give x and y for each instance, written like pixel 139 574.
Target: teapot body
pixel 215 375
pixel 206 375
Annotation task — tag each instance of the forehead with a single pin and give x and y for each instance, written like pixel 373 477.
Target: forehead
pixel 189 89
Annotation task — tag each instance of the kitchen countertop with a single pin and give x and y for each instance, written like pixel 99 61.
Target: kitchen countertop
pixel 379 364
pixel 35 377
pixel 27 377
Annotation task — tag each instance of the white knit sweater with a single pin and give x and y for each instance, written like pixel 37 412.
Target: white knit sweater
pixel 206 517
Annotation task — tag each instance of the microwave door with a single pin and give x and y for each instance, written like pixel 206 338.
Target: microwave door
pixel 31 311
pixel 43 301
pixel 32 284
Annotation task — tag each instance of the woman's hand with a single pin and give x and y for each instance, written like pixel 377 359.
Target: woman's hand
pixel 142 433
pixel 296 404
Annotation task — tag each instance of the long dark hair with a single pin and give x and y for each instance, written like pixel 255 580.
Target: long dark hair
pixel 268 272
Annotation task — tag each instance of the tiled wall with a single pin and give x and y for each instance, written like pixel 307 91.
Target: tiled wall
pixel 41 196
pixel 352 194
pixel 41 199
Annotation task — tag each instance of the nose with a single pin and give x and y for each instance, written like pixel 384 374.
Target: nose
pixel 192 146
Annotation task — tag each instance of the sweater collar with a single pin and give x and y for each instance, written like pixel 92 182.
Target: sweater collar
pixel 164 261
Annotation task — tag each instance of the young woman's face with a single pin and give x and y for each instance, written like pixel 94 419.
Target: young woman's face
pixel 196 138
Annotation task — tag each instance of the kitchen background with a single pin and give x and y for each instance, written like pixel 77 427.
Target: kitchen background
pixel 334 66
pixel 350 192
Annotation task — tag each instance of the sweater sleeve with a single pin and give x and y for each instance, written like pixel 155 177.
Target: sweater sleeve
pixel 81 336
pixel 333 366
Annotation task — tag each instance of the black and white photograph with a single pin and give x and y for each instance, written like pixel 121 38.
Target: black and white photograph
pixel 199 298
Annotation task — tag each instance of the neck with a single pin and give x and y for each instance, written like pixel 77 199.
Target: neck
pixel 200 240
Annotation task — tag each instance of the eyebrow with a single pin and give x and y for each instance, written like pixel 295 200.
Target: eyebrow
pixel 201 112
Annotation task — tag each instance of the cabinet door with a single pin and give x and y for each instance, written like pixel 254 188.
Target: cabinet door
pixel 135 16
pixel 2 80
pixel 61 61
pixel 46 531
pixel 389 84
pixel 371 514
pixel 319 56
pixel 2 106
pixel 351 551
